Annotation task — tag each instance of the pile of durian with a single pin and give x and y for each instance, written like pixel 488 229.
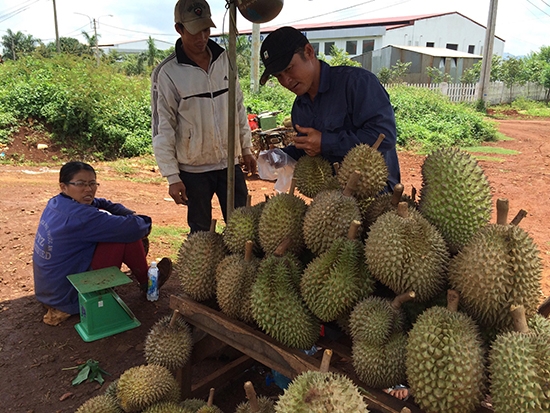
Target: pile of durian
pixel 343 248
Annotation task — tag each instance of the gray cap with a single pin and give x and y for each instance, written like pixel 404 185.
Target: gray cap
pixel 194 15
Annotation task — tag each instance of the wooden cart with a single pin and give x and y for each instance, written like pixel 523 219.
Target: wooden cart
pixel 256 346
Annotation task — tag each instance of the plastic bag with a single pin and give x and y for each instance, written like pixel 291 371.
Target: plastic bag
pixel 276 165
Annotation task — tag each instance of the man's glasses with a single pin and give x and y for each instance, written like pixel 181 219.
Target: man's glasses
pixel 82 184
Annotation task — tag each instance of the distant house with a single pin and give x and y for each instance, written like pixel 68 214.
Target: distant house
pixel 135 46
pixel 408 36
pixel 446 60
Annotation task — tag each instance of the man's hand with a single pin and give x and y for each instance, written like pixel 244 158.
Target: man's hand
pixel 250 164
pixel 310 142
pixel 178 193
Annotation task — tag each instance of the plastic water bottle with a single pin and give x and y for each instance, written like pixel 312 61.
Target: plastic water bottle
pixel 152 283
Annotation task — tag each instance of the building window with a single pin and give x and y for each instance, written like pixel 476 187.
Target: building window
pixel 430 44
pixel 451 46
pixel 472 48
pixel 368 46
pixel 315 48
pixel 351 47
pixel 328 48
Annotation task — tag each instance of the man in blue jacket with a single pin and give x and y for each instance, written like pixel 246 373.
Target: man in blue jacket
pixel 336 108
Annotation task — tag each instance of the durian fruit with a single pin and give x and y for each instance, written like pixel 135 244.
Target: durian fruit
pixel 519 367
pixel 455 195
pixel 197 260
pixel 277 306
pixel 406 253
pixel 316 392
pixel 329 215
pixel 500 266
pixel 255 404
pixel 111 389
pixel 209 406
pixel 333 282
pixel 313 174
pixel 167 407
pixel 100 404
pixel 242 226
pixel 371 165
pixel 445 360
pixel 375 319
pixel 193 404
pixel 282 217
pixel 141 386
pixel 235 276
pixel 169 342
pixel 380 365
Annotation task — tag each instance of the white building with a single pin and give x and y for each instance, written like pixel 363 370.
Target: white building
pixel 135 46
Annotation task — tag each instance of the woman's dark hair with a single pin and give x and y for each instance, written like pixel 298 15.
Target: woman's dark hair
pixel 70 169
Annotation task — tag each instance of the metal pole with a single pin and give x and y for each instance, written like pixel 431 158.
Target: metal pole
pixel 255 59
pixel 58 45
pixel 96 43
pixel 485 75
pixel 232 108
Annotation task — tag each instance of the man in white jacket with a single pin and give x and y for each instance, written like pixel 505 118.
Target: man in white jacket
pixel 189 101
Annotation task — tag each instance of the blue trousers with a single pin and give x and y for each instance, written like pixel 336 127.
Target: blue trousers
pixel 201 187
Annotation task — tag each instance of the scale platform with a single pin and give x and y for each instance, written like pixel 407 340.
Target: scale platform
pixel 102 311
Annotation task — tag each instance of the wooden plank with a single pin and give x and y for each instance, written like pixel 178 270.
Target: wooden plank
pixel 222 377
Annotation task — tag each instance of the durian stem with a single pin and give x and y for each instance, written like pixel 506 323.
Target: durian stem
pixel 453 297
pixel 519 318
pixel 336 167
pixel 325 361
pixel 283 246
pixel 210 402
pixel 351 185
pixel 266 196
pixel 413 194
pixel 378 142
pixel 502 211
pixel 248 200
pixel 405 410
pixel 213 225
pixel 354 229
pixel 251 396
pixel 398 190
pixel 403 210
pixel 292 186
pixel 520 215
pixel 174 319
pixel 248 251
pixel 398 301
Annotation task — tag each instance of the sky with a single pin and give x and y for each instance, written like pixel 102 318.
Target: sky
pixel 523 24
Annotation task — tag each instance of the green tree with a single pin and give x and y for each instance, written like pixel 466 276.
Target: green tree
pixel 395 74
pixel 17 44
pixel 437 76
pixel 339 57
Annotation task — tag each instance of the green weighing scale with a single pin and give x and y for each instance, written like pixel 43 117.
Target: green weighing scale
pixel 102 311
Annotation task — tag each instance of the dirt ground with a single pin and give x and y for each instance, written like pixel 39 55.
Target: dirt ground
pixel 34 356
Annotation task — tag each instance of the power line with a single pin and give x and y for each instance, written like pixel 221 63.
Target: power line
pixel 15 12
pixel 534 5
pixel 137 31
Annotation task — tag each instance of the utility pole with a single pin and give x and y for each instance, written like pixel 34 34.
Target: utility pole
pixel 96 43
pixel 485 75
pixel 56 29
pixel 255 59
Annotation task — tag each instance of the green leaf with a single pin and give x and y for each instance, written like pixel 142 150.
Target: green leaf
pixel 82 375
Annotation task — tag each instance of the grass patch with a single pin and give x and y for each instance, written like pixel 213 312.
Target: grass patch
pixel 490 149
pixel 168 239
pixel 488 158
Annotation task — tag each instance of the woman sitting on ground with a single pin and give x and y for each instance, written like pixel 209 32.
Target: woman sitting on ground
pixel 78 232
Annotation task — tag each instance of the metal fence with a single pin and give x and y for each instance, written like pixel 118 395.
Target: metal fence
pixel 497 92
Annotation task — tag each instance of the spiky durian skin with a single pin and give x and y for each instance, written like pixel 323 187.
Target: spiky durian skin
pixel 169 346
pixel 141 386
pixel 372 166
pixel 381 365
pixel 265 405
pixel 100 404
pixel 241 227
pixel 373 320
pixel 372 208
pixel 111 388
pixel 331 283
pixel 499 267
pixel 328 218
pixel 317 392
pixel 282 217
pixel 313 174
pixel 278 308
pixel 209 409
pixel 193 404
pixel 196 264
pixel 445 362
pixel 519 366
pixel 407 254
pixel 167 407
pixel 455 195
pixel 234 280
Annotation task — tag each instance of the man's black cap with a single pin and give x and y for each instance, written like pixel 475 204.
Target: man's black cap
pixel 278 48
